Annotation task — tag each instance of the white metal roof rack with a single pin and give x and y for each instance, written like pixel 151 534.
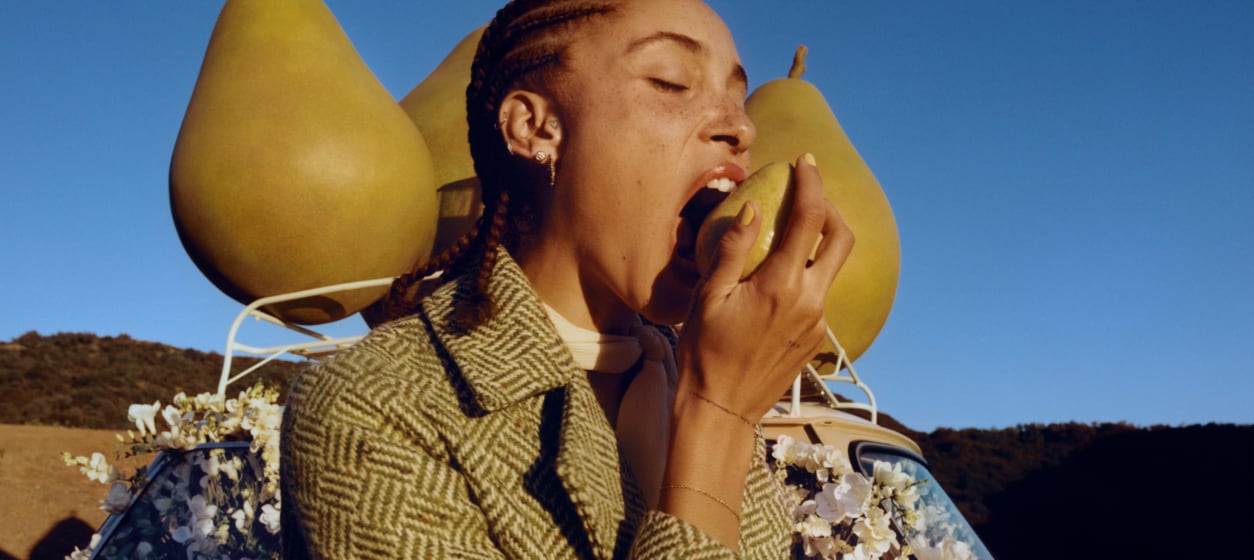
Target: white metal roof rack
pixel 321 344
pixel 818 380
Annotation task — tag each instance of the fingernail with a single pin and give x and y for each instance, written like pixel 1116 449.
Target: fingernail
pixel 809 158
pixel 746 215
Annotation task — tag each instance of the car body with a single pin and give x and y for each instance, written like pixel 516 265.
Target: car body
pixel 216 500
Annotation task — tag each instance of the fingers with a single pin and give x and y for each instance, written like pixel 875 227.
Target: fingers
pixel 733 247
pixel 835 246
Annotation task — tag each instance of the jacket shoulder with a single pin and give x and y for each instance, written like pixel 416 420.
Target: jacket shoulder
pixel 394 377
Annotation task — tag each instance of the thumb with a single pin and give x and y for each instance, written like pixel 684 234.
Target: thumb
pixel 733 247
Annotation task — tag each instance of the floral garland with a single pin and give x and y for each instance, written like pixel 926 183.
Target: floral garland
pixel 211 506
pixel 840 514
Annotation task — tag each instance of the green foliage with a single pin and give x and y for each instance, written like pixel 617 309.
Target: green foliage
pixel 82 380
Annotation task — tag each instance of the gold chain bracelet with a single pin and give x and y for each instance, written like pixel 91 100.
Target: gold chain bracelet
pixel 723 408
pixel 709 495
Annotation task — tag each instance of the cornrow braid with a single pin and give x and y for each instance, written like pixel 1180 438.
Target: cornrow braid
pixel 526 39
pixel 402 299
pixel 523 45
pixel 478 307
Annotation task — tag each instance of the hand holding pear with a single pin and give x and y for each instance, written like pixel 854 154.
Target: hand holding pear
pixel 792 117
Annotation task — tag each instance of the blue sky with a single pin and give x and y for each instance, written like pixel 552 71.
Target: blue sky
pixel 1073 183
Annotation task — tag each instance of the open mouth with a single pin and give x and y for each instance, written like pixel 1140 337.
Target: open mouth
pixel 695 212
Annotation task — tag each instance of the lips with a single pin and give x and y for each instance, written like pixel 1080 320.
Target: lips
pixel 712 188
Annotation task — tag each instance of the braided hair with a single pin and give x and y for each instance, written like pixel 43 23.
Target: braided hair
pixel 525 43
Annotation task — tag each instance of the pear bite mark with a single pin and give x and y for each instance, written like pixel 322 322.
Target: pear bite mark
pixel 772 187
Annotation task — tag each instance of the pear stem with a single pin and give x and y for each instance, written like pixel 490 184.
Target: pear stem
pixel 798 63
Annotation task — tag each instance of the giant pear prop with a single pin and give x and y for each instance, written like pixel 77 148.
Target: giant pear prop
pixel 792 118
pixel 294 167
pixel 437 105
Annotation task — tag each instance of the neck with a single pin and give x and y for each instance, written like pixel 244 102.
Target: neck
pixel 561 282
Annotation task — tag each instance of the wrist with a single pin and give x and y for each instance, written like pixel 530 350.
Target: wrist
pixel 705 437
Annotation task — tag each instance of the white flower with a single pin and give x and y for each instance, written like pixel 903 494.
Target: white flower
pixel 223 534
pixel 816 535
pixel 785 450
pixel 144 415
pixel 803 511
pixel 823 547
pixel 180 534
pixel 890 475
pixel 210 465
pixel 849 498
pixel 902 487
pixel 908 497
pixel 956 549
pixel 172 416
pixel 231 468
pixel 210 402
pixel 98 469
pixel 162 505
pixel 118 499
pixel 947 549
pixel 814 526
pixel 270 518
pixel 202 516
pixel 834 459
pixel 143 550
pixel 243 515
pixel 875 532
pixel 85 554
pixel 862 552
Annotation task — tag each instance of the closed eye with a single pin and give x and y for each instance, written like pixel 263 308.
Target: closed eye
pixel 670 87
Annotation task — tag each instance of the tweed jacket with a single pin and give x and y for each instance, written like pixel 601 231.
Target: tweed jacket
pixel 424 442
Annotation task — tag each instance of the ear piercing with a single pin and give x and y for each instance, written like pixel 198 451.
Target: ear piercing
pixel 543 158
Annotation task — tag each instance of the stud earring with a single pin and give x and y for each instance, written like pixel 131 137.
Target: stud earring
pixel 552 122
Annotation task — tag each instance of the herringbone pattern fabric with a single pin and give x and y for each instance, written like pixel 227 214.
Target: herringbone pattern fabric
pixel 423 442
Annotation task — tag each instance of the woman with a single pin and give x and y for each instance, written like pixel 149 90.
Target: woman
pixel 530 407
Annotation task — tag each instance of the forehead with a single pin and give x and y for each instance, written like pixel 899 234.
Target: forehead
pixel 636 23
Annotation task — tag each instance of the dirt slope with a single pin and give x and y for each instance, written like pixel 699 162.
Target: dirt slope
pixel 49 507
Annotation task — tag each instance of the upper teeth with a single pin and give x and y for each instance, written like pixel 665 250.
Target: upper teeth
pixel 722 184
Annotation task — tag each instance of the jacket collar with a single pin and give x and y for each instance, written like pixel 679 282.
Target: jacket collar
pixel 517 355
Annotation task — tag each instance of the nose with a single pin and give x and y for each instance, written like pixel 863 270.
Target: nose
pixel 731 125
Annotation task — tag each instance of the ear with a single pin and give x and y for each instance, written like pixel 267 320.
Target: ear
pixel 530 124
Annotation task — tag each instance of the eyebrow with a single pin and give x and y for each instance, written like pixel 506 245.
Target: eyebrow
pixel 688 43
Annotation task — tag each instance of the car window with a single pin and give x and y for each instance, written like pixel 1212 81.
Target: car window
pixel 203 503
pixel 940 532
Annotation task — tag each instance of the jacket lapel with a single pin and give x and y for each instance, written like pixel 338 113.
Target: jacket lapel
pixel 517 355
